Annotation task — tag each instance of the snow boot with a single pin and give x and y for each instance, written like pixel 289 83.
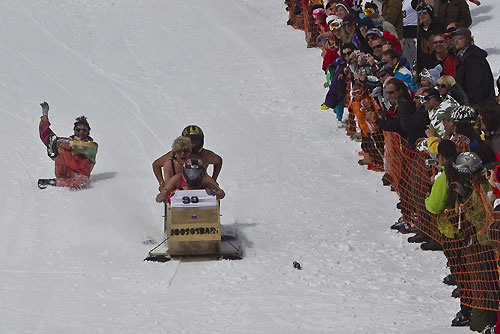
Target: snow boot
pixel 450 280
pixel 418 238
pixel 461 319
pixel 52 151
pixel 431 245
pixel 44 183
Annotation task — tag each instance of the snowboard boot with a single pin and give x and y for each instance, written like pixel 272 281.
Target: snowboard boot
pixel 431 245
pixel 44 183
pixel 52 151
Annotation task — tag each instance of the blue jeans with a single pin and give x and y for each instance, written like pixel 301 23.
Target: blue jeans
pixel 339 109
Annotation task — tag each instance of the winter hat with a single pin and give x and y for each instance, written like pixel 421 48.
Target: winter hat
pixel 425 8
pixel 346 7
pixel 181 143
pixel 374 32
pixel 371 5
pixel 331 18
pixel 432 75
pixel 463 113
pixel 349 18
pixel 367 22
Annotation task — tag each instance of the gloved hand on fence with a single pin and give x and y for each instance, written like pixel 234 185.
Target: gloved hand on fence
pixel 45 108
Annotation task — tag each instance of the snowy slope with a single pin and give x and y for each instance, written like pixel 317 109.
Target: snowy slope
pixel 71 262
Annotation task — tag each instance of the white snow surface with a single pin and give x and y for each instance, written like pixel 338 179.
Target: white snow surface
pixel 141 70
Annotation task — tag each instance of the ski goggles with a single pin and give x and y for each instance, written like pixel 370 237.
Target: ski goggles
pixel 369 11
pixel 423 98
pixel 317 12
pixel 334 25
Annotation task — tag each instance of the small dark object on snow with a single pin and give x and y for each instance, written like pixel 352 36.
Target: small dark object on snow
pixel 44 183
pixel 296 265
pixel 455 293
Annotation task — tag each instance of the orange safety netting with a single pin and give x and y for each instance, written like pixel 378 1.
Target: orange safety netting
pixel 468 233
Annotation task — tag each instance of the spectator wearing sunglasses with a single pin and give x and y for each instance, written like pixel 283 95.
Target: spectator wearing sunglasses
pixel 428 27
pixel 473 70
pixel 74 156
pixel 181 151
pixel 444 55
pixel 454 11
pixel 446 85
pixel 371 11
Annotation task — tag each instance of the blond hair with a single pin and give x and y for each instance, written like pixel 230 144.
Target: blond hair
pixel 447 80
pixel 181 143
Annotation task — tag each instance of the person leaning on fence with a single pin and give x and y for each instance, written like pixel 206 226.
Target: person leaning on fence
pixel 470 187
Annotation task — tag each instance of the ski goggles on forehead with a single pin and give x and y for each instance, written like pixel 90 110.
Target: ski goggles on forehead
pixel 317 12
pixel 369 11
pixel 330 11
pixel 335 25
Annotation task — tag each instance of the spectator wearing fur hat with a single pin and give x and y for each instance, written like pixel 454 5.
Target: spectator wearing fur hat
pixel 429 78
pixel 392 11
pixel 454 11
pixel 428 27
pixel 473 70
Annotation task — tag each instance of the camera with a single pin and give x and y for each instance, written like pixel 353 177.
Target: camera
pixel 430 162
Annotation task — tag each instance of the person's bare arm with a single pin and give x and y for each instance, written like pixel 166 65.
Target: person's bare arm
pixel 213 159
pixel 157 165
pixel 171 185
pixel 211 184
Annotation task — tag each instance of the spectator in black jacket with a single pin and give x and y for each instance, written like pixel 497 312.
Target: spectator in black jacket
pixel 414 123
pixel 428 27
pixel 473 70
pixel 399 97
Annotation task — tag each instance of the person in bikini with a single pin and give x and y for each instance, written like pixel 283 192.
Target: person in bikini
pixel 193 177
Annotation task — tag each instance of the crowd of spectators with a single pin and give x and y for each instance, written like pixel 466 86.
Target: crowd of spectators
pixel 406 80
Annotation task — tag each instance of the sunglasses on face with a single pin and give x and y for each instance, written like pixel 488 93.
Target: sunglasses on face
pixel 185 150
pixel 378 46
pixel 423 98
pixel 441 41
pixel 347 54
pixel 82 130
pixel 443 86
pixel 348 24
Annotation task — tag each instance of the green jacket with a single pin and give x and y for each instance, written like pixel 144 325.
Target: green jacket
pixel 437 202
